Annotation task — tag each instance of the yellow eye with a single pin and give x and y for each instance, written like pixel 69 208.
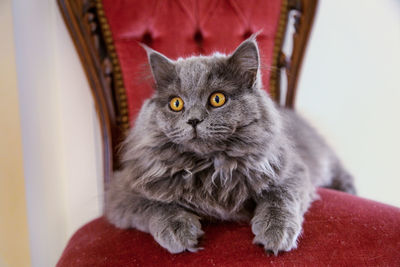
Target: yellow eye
pixel 217 99
pixel 176 104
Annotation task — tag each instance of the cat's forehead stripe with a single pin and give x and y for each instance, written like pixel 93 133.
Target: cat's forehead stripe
pixel 193 76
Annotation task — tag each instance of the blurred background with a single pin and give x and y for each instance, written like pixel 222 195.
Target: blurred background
pixel 50 150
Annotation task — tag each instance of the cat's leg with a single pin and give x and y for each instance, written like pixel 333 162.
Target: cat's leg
pixel 172 227
pixel 342 180
pixel 280 211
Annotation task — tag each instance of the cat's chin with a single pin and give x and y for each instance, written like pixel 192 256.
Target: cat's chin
pixel 201 146
pixel 200 143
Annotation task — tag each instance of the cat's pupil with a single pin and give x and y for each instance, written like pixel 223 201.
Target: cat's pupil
pixel 177 103
pixel 216 99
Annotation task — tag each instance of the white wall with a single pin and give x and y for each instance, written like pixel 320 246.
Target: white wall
pixel 14 235
pixel 61 148
pixel 350 89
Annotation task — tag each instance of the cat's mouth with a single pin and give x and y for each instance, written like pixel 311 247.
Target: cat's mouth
pixel 195 136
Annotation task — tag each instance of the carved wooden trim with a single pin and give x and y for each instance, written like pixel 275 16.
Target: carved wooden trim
pixel 115 69
pixel 87 24
pixel 304 19
pixel 274 81
pixel 82 20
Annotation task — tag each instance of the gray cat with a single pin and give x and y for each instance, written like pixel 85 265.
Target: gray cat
pixel 211 144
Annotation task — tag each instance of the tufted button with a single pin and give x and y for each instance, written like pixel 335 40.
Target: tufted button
pixel 247 34
pixel 147 39
pixel 198 37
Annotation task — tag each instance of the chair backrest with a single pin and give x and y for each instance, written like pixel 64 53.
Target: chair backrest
pixel 106 34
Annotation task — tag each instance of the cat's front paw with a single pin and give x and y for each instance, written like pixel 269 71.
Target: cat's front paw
pixel 177 233
pixel 275 236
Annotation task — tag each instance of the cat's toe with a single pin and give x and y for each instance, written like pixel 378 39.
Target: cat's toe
pixel 277 238
pixel 179 234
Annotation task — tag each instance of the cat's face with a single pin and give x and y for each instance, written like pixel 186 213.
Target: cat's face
pixel 203 102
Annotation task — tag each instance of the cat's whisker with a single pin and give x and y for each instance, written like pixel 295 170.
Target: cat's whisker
pixel 218 125
pixel 219 132
pixel 218 128
pixel 175 130
pixel 175 133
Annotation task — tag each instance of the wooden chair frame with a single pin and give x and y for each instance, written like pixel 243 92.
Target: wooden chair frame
pixel 91 34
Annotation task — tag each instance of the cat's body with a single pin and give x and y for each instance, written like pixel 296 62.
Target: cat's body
pixel 246 160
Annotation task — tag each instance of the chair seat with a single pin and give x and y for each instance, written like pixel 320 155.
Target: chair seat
pixel 339 230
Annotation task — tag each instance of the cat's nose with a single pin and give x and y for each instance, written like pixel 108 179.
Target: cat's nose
pixel 193 122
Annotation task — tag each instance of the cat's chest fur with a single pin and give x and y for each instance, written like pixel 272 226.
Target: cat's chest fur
pixel 219 187
pixel 221 192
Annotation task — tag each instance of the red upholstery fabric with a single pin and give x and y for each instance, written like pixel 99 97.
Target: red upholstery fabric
pixel 179 28
pixel 339 230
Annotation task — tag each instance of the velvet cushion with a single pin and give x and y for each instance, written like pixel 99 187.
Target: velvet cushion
pixel 339 230
pixel 179 28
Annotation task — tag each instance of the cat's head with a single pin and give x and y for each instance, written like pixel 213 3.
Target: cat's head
pixel 205 102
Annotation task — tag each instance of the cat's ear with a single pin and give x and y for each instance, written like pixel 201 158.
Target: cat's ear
pixel 162 68
pixel 246 60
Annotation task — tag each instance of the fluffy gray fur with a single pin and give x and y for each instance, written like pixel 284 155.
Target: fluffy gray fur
pixel 248 160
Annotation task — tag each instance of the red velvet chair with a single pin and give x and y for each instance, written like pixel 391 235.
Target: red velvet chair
pixel 339 229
